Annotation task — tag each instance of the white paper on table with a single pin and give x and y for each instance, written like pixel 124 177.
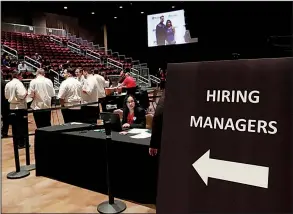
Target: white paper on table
pixel 142 135
pixel 136 131
pixel 75 123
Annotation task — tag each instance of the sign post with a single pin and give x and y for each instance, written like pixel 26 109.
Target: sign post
pixel 227 142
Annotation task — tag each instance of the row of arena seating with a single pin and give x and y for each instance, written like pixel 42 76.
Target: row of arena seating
pixel 126 64
pixel 27 44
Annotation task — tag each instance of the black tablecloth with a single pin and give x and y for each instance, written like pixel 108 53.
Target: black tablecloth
pixel 69 127
pixel 79 158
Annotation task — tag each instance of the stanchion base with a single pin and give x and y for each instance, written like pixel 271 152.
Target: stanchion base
pixel 28 167
pixel 106 208
pixel 17 175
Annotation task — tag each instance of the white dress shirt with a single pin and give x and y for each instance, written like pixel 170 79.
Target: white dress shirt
pixel 81 79
pixel 22 68
pixel 101 85
pixel 41 90
pixel 16 93
pixel 70 91
pixel 90 90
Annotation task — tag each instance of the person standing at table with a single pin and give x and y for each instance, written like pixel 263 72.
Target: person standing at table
pixel 90 94
pixel 4 110
pixel 70 95
pixel 16 94
pixel 157 127
pixel 133 115
pixel 102 84
pixel 129 83
pixel 41 90
pixel 79 75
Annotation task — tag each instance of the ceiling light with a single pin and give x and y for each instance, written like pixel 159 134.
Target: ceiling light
pixel 142 12
pixel 65 8
pixel 93 13
pixel 120 7
pixel 115 17
pixel 173 6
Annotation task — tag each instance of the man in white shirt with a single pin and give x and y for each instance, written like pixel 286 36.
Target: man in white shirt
pixel 16 94
pixel 70 95
pixel 90 113
pixel 22 67
pixel 41 90
pixel 102 84
pixel 79 75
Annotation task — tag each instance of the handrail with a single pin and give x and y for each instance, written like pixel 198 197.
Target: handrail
pixel 74 44
pixel 89 50
pixel 31 65
pixel 109 59
pixel 9 53
pixel 26 57
pixel 77 49
pixel 140 78
pixel 97 58
pixel 54 38
pixel 16 53
pixel 28 25
pixel 144 65
pixel 155 79
pixel 117 66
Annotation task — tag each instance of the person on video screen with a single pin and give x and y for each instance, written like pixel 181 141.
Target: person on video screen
pixel 161 32
pixel 170 33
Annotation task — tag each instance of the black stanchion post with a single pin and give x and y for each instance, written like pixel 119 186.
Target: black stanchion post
pixel 111 206
pixel 28 165
pixel 18 172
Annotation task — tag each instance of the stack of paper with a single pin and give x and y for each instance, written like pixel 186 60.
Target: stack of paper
pixel 141 135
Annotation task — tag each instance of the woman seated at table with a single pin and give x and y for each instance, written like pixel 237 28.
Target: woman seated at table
pixel 133 115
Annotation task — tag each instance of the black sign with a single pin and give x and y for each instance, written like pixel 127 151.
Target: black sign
pixel 226 143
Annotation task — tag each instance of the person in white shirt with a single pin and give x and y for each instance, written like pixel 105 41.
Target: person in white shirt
pixel 102 84
pixel 41 90
pixel 70 95
pixel 90 113
pixel 79 75
pixel 22 67
pixel 16 94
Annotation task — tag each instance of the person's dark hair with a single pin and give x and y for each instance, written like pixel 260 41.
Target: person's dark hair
pixel 71 71
pixel 168 21
pixel 13 74
pixel 125 102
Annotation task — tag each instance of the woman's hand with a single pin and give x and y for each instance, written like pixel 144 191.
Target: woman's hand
pixel 125 125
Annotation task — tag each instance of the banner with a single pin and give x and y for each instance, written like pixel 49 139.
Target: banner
pixel 227 144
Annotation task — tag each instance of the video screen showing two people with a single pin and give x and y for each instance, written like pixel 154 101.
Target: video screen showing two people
pixel 165 32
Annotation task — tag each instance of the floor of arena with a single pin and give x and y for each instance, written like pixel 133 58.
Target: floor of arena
pixel 42 195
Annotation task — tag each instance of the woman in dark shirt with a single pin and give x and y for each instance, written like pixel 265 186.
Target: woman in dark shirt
pixel 133 115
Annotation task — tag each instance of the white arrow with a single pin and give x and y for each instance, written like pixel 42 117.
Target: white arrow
pixel 241 173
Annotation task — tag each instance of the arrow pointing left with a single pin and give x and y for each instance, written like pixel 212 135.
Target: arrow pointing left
pixel 241 173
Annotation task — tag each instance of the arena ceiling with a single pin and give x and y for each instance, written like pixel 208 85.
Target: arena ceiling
pixel 105 10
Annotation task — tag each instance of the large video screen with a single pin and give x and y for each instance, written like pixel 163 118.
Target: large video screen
pixel 166 28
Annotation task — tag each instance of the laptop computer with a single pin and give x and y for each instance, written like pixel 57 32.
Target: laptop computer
pixel 114 120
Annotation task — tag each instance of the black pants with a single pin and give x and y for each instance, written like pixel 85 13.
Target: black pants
pixel 90 114
pixel 162 84
pixel 71 115
pixel 131 91
pixel 20 126
pixel 5 120
pixel 42 119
